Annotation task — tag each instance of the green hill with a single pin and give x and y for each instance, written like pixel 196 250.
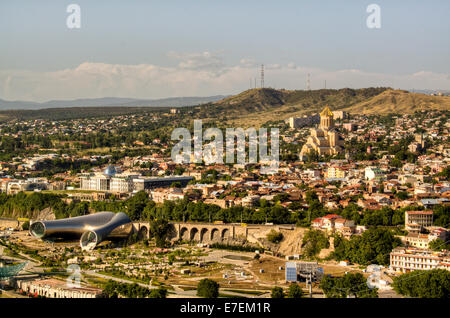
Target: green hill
pixel 256 106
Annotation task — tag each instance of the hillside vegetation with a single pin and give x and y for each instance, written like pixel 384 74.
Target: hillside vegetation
pixel 257 106
pixel 268 99
pixel 397 101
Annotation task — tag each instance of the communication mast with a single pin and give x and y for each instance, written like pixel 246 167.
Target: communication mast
pixel 262 75
pixel 308 83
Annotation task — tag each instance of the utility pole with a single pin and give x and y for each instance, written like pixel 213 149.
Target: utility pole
pixel 310 285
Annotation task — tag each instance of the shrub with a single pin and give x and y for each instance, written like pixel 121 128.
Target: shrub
pixel 274 236
pixel 208 288
pixel 277 292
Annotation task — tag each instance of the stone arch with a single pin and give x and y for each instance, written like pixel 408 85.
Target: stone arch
pixel 194 235
pixel 225 234
pixel 143 233
pixel 172 232
pixel 215 234
pixel 204 235
pixel 184 234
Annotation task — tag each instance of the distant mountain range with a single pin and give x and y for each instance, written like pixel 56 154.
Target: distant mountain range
pixel 110 101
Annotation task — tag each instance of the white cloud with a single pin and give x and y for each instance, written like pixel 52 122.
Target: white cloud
pixel 199 61
pixel 196 74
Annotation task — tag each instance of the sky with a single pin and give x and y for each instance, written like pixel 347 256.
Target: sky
pixel 168 48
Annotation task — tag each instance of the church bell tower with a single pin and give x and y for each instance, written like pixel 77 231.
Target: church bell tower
pixel 326 119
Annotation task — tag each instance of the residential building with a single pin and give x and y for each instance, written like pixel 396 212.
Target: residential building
pixel 299 122
pixel 54 288
pixel 373 173
pixel 410 259
pixel 417 220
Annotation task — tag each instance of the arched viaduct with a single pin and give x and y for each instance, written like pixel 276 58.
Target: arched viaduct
pixel 198 232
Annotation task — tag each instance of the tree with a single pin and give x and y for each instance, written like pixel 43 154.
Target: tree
pixel 170 259
pixel 442 216
pixel 351 285
pixel 158 293
pixel 402 195
pixel 176 184
pixel 136 204
pixel 26 226
pixel 439 245
pixel 282 197
pixel 208 288
pixel 313 242
pixel 295 291
pixel 274 236
pixel 159 229
pixel 424 284
pixel 277 292
pixel 372 247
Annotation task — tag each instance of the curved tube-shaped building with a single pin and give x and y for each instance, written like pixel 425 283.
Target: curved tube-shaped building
pixel 119 226
pixel 92 228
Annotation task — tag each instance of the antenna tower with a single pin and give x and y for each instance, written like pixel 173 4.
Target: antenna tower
pixel 262 75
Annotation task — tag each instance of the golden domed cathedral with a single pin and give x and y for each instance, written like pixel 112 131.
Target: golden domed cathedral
pixel 324 140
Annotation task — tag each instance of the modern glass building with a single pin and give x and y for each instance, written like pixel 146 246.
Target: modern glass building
pixel 296 271
pixel 291 272
pixel 7 272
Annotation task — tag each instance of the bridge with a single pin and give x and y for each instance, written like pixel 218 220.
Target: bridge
pixel 199 232
pixel 208 232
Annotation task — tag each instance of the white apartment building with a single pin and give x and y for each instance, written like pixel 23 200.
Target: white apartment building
pixel 122 184
pixel 103 182
pixel 419 240
pixel 97 182
pixel 406 260
pixel 53 288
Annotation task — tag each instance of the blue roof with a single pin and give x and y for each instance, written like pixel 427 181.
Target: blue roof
pixel 110 171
